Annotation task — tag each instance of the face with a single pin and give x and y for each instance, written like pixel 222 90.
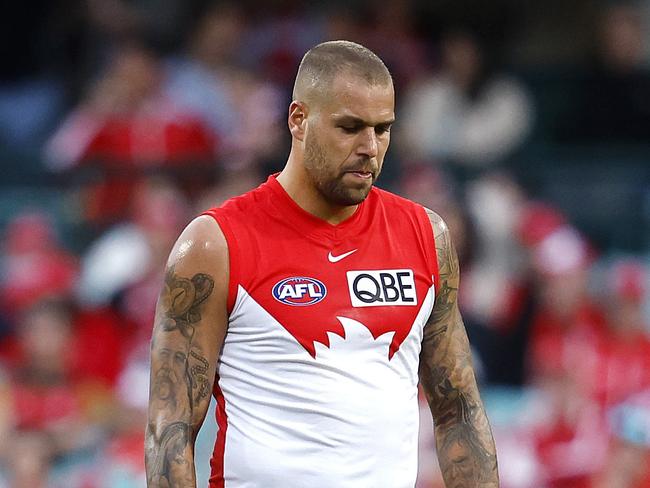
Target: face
pixel 346 137
pixel 170 373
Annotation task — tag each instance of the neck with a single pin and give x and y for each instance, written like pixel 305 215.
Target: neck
pixel 296 182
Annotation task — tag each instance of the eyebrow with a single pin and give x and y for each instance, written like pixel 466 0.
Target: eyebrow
pixel 358 121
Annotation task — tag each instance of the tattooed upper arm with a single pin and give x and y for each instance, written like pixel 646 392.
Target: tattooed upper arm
pixel 189 329
pixel 444 346
pixel 464 441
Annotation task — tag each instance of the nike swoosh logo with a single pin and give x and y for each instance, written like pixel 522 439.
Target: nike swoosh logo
pixel 336 259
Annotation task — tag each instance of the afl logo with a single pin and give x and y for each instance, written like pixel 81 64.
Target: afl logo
pixel 299 291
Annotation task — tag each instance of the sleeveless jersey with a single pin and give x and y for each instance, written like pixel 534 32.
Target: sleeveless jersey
pixel 317 380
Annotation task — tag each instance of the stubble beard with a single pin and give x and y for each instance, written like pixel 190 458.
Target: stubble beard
pixel 328 182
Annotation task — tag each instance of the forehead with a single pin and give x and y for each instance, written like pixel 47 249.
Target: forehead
pixel 351 95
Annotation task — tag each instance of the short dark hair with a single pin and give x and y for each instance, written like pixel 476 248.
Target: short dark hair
pixel 324 61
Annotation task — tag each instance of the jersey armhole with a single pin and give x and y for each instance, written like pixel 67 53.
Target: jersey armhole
pixel 233 256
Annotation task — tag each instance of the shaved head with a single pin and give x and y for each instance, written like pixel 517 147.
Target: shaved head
pixel 322 63
pixel 340 118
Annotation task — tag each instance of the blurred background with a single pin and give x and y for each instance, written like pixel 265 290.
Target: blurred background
pixel 526 125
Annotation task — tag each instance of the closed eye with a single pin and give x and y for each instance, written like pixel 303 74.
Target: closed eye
pixel 350 129
pixel 382 129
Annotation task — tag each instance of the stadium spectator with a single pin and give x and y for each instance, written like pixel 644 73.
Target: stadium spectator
pixel 123 265
pixel 495 290
pixel 34 264
pixel 611 103
pixel 127 127
pixel 628 462
pixel 198 78
pixel 469 113
pixel 213 81
pixel 566 325
pixel 623 365
pixel 49 410
pixel 33 43
pixel 394 38
pixel 569 435
pixel 123 453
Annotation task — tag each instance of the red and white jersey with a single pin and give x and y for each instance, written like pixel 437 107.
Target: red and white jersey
pixel 317 380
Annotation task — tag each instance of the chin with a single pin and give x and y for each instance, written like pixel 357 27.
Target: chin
pixel 354 197
pixel 345 195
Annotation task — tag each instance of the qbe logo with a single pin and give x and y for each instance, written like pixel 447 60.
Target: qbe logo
pixel 299 291
pixel 384 287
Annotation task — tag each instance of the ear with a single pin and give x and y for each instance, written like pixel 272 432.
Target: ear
pixel 297 119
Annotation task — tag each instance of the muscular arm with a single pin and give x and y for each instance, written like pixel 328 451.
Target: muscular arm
pixel 466 450
pixel 189 329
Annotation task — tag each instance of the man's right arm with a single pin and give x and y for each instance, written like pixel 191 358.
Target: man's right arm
pixel 189 329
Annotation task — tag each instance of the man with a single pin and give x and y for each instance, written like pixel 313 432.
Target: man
pixel 307 306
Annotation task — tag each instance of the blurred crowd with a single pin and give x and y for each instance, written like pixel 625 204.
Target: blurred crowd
pixel 144 114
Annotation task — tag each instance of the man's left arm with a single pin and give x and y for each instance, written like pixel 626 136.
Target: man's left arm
pixel 466 450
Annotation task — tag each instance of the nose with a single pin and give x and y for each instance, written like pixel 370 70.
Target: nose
pixel 368 145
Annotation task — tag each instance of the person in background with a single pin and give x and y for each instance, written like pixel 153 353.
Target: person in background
pixel 124 129
pixel 468 115
pixel 610 103
pixel 623 365
pixel 628 461
pixel 50 413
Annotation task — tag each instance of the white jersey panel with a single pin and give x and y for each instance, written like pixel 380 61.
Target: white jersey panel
pixel 347 418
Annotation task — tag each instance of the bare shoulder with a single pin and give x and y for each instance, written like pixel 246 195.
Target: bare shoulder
pixel 201 244
pixel 447 257
pixel 198 268
pixel 437 223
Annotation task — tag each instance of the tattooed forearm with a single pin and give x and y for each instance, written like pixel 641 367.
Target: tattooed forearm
pixel 435 336
pixel 466 450
pixel 166 468
pixel 179 380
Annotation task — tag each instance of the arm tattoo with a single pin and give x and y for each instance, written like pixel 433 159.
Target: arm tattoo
pixel 198 375
pixel 466 451
pixel 180 379
pixel 173 442
pixel 181 300
pixel 448 272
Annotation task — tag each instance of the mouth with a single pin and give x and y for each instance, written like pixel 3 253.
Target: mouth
pixel 365 175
